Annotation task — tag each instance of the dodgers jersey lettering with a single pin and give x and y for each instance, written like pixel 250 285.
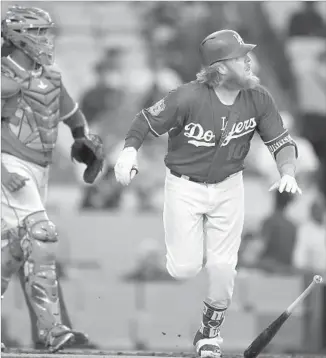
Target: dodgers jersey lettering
pixel 195 119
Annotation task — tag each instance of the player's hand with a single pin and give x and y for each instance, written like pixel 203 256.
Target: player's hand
pixel 12 181
pixel 287 183
pixel 126 166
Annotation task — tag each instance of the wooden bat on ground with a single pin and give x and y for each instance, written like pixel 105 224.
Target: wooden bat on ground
pixel 268 333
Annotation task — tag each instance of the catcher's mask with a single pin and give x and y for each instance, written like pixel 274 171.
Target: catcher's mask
pixel 31 30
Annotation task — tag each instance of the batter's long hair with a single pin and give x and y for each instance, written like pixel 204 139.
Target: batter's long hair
pixel 210 76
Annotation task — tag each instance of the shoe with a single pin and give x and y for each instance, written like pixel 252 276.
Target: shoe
pixel 3 347
pixel 207 347
pixel 80 339
pixel 58 337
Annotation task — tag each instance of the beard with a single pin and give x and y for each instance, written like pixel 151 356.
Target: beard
pixel 235 81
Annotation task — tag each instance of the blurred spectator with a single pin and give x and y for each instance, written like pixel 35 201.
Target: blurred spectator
pixel 279 236
pixel 150 265
pixel 307 21
pixel 106 93
pixel 261 161
pixel 276 73
pixel 109 109
pixel 309 258
pixel 312 103
pixel 319 71
pixel 164 78
pixel 250 249
pixel 106 193
pixel 310 251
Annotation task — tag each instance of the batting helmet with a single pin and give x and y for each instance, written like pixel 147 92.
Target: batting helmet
pixel 223 45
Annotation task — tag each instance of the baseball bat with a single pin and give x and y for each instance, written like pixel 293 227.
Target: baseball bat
pixel 263 339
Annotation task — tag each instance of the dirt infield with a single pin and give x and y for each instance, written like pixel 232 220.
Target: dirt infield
pixel 110 354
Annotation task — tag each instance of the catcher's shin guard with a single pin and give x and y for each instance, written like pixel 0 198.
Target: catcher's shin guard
pixel 11 255
pixel 41 285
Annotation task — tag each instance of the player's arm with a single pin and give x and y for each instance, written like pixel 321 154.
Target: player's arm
pixel 71 115
pixel 279 142
pixel 166 114
pixel 10 90
pixel 87 148
pixel 158 119
pixel 9 96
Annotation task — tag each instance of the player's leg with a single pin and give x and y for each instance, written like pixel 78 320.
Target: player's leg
pixel 11 254
pixel 80 338
pixel 23 212
pixel 14 207
pixel 32 316
pixel 42 188
pixel 183 225
pixel 223 228
pixel 41 283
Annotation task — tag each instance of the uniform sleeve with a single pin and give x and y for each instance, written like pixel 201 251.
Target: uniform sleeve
pixel 270 125
pixel 9 96
pixel 67 105
pixel 165 114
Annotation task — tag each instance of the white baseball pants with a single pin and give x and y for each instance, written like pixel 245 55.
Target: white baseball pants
pixel 29 199
pixel 204 222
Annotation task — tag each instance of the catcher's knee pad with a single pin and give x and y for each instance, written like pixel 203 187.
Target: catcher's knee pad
pixel 40 245
pixel 11 254
pixel 221 284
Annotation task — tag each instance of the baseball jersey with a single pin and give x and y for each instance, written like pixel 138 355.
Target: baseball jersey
pixel 208 140
pixel 29 131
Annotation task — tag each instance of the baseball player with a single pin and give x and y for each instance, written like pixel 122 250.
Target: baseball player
pixel 210 123
pixel 34 102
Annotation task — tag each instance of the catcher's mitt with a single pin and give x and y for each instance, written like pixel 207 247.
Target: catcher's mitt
pixel 89 150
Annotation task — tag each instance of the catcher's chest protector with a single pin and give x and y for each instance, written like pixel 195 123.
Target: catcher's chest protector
pixel 37 116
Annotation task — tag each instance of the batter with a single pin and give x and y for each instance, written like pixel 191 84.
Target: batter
pixel 210 123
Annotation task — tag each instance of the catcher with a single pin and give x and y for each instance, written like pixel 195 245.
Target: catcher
pixel 34 102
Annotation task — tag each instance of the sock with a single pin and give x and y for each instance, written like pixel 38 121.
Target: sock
pixel 211 321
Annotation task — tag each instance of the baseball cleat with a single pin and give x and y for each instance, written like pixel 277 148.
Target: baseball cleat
pixel 58 337
pixel 207 347
pixel 80 338
pixel 210 350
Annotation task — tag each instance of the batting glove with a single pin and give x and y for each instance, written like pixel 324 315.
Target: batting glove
pixel 287 183
pixel 126 166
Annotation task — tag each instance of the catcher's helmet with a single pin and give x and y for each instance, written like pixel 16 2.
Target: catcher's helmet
pixel 29 29
pixel 223 45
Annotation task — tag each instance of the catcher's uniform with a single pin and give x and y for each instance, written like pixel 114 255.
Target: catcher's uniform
pixel 33 105
pixel 29 135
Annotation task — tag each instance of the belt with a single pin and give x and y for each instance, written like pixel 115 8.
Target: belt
pixel 192 179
